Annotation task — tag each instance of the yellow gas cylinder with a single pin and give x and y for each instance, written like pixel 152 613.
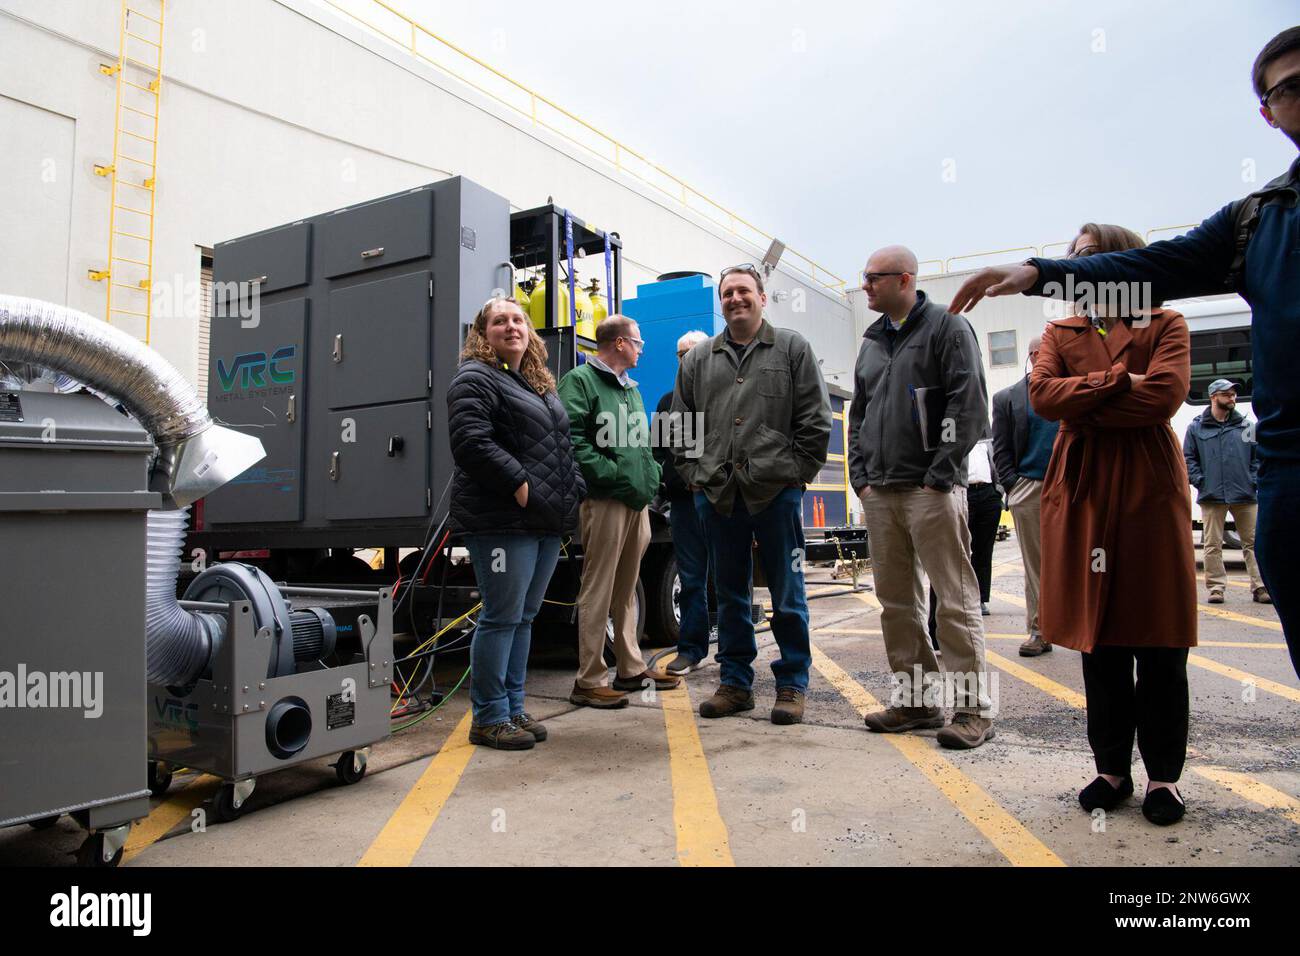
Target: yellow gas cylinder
pixel 586 316
pixel 521 296
pixel 537 305
pixel 598 307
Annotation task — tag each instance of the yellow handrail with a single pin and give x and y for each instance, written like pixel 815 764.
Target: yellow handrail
pixel 1190 225
pixel 947 265
pixel 620 151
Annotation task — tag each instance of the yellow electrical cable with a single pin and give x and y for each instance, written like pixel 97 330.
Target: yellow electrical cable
pixel 402 693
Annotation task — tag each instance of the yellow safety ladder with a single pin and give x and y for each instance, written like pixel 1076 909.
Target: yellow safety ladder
pixel 129 271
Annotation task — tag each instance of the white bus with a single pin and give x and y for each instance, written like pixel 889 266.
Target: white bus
pixel 1220 331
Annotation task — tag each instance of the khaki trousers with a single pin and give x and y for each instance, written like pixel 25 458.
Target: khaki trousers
pixel 910 529
pixel 1024 500
pixel 1213 516
pixel 614 537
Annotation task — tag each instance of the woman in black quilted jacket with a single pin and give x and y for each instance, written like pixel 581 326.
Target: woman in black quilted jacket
pixel 515 491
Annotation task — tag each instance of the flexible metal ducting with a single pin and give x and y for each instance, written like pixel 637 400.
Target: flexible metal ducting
pixel 195 456
pixel 178 643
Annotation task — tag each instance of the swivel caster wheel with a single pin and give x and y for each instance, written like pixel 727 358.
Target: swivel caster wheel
pixel 102 849
pixel 160 777
pixel 230 801
pixel 351 766
pixel 44 823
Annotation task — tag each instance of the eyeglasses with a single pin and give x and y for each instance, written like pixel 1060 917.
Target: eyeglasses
pixel 747 267
pixel 682 354
pixel 871 278
pixel 1083 253
pixel 638 344
pixel 1287 90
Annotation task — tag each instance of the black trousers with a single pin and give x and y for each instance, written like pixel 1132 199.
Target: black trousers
pixel 983 512
pixel 1155 707
pixel 984 504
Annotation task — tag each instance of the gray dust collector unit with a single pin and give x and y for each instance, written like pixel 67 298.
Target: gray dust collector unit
pixel 342 368
pixel 74 497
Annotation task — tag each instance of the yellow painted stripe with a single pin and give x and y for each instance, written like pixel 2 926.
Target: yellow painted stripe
pixel 406 829
pixel 1000 828
pixel 869 599
pixel 1006 568
pixel 701 833
pixel 1035 679
pixel 1009 598
pixel 1240 618
pixel 1249 788
pixel 1263 683
pixel 988 635
pixel 1243 785
pixel 1257 645
pixel 177 807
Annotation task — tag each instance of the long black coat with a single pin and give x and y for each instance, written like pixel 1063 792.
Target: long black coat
pixel 502 434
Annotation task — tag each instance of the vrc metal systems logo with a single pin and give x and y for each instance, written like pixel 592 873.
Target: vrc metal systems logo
pixel 177 713
pixel 250 369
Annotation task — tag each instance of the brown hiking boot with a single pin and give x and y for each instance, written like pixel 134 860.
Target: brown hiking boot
pixel 788 708
pixel 1035 646
pixel 966 731
pixel 1261 596
pixel 602 698
pixel 727 700
pixel 897 719
pixel 502 736
pixel 1216 595
pixel 633 684
pixel 529 724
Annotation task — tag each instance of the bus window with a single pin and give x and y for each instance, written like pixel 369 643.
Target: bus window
pixel 1224 353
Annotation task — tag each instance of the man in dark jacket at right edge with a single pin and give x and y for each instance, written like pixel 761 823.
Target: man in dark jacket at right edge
pixel 1205 262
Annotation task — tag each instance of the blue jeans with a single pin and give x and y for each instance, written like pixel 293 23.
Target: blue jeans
pixel 778 529
pixel 692 552
pixel 513 571
pixel 1277 535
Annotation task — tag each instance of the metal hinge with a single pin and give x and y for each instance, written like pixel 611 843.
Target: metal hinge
pixel 428 421
pixel 430 288
pixel 428 497
pixel 430 378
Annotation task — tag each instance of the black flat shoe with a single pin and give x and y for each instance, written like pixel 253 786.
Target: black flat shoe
pixel 1162 808
pixel 1100 795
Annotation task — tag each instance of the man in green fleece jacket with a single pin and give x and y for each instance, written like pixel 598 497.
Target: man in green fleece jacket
pixel 611 442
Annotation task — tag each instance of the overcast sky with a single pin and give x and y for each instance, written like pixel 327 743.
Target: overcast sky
pixel 952 127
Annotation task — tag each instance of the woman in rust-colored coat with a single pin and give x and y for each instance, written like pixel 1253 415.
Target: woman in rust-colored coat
pixel 1118 577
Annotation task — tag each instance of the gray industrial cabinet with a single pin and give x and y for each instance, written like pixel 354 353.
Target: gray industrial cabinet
pixel 73 515
pixel 342 368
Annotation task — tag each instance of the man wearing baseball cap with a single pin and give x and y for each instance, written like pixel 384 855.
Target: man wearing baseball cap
pixel 1222 464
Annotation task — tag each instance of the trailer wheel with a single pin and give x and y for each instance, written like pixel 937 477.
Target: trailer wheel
pixel 665 601
pixel 44 823
pixel 91 853
pixel 610 658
